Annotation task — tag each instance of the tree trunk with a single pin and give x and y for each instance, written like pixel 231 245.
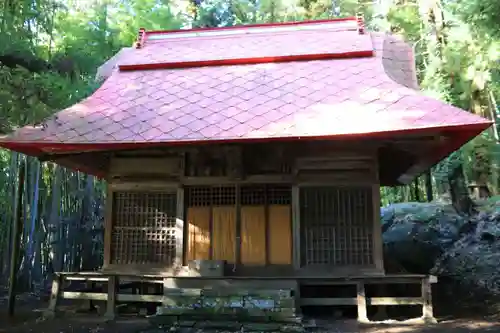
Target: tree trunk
pixel 428 186
pixel 459 192
pixel 433 19
pixel 416 190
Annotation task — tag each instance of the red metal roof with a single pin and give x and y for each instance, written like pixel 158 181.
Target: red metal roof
pixel 242 84
pixel 274 44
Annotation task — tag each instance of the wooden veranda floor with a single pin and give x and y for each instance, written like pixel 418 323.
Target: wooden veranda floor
pixel 162 289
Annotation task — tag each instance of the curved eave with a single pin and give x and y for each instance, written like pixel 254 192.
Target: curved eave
pixel 459 135
pixel 60 147
pixel 456 139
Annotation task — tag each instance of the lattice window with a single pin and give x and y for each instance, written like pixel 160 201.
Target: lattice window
pixel 144 228
pixel 337 226
pixel 210 196
pixel 249 195
pixel 198 196
pixel 279 195
pixel 253 195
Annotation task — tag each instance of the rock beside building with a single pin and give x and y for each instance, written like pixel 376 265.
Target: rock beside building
pixel 433 238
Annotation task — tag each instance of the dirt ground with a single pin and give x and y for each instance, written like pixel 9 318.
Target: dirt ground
pixel 29 309
pixel 93 324
pixel 28 319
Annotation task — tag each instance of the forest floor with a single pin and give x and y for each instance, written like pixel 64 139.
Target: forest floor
pixel 29 309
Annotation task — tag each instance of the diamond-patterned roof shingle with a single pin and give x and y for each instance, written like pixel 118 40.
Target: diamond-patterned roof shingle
pixel 322 41
pixel 329 97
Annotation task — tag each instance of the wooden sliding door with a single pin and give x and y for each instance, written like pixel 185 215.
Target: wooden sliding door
pixel 252 228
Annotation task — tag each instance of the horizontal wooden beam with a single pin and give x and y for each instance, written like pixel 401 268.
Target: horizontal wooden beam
pixel 331 179
pixel 116 184
pixel 158 185
pixel 354 301
pixel 196 292
pixel 127 166
pixel 104 277
pixel 176 293
pixel 84 296
pixel 333 164
pixel 262 179
pixel 369 280
pixel 119 297
pixel 86 279
pixel 58 156
pixel 416 139
pixel 116 270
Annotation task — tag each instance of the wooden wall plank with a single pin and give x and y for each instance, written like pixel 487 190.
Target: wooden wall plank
pixel 253 235
pixel 198 219
pixel 224 233
pixel 127 166
pixel 280 235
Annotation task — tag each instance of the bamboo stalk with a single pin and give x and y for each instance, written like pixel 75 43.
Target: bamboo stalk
pixel 16 228
pixel 33 220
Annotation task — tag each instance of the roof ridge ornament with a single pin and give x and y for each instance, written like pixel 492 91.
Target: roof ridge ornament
pixel 361 23
pixel 141 38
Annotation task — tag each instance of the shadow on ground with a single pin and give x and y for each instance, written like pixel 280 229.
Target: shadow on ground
pixel 71 322
pixel 452 319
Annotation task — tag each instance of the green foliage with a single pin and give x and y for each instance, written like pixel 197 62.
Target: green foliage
pixel 59 44
pixel 457 62
pixel 482 15
pixel 83 34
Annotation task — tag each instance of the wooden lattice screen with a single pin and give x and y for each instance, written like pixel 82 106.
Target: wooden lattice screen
pixel 266 195
pixel 213 229
pixel 210 196
pixel 336 226
pixel 226 195
pixel 144 228
pixel 211 216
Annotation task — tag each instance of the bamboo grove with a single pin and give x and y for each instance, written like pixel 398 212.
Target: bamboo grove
pixel 51 50
pixel 61 219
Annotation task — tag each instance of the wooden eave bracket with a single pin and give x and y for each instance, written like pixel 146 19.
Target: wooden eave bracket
pixel 57 156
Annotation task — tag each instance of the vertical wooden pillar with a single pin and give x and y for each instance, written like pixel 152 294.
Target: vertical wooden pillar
pixel 267 229
pixel 427 310
pixel 361 300
pixel 179 228
pixel 211 232
pixel 54 295
pixel 296 241
pixel 108 226
pixel 296 294
pixel 111 303
pixel 296 226
pixel 16 238
pixel 378 247
pixel 237 243
pixel 166 292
